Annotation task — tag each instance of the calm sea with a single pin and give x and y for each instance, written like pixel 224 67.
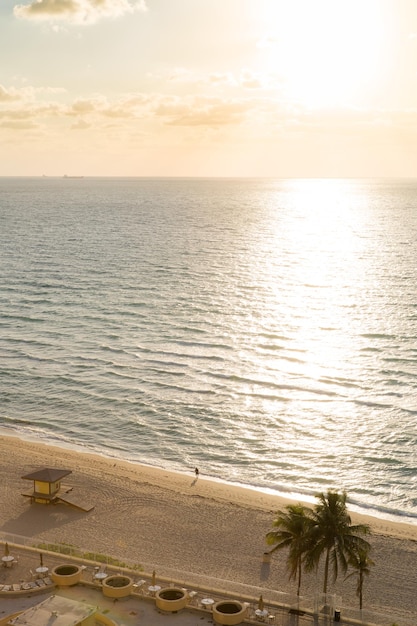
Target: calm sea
pixel 262 330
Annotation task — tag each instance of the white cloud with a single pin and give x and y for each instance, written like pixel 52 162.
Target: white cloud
pixel 258 115
pixel 247 79
pixel 211 112
pixel 7 95
pixel 222 78
pixel 182 75
pixel 77 11
pixel 251 80
pixel 82 106
pixel 267 42
pixel 80 125
pixel 17 125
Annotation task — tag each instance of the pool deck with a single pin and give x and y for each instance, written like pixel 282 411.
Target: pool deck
pixel 138 608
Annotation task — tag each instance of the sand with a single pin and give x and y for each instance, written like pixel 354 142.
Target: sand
pixel 196 528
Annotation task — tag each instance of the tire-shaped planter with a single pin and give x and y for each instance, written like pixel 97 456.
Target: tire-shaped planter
pixel 117 586
pixel 171 599
pixel 66 575
pixel 229 612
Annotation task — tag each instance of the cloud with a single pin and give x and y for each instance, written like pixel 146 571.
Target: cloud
pixel 77 11
pixel 17 125
pixel 181 75
pixel 80 125
pixel 258 115
pixel 247 79
pixel 250 80
pixel 202 112
pixel 267 42
pixel 8 95
pixel 82 106
pixel 222 78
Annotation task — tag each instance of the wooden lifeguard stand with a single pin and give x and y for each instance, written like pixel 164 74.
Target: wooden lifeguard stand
pixel 47 486
pixel 48 489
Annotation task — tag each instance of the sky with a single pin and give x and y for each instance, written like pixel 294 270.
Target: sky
pixel 274 88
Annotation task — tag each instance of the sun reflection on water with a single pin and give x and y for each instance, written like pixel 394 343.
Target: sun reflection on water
pixel 312 309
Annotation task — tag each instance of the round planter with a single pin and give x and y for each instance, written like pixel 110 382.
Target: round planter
pixel 66 575
pixel 171 599
pixel 229 612
pixel 117 586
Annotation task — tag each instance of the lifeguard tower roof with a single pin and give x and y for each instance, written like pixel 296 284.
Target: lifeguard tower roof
pixel 47 475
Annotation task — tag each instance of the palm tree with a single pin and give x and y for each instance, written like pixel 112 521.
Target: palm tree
pixel 333 535
pixel 361 562
pixel 291 529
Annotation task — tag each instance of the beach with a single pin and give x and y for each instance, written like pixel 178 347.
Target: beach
pixel 176 522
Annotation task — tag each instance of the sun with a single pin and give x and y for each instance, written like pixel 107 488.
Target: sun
pixel 324 53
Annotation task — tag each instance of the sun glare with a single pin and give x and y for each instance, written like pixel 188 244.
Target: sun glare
pixel 324 53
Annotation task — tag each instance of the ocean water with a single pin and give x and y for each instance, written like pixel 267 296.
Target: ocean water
pixel 262 330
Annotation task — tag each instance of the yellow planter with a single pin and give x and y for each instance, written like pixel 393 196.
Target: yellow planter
pixel 66 575
pixel 171 599
pixel 229 612
pixel 117 586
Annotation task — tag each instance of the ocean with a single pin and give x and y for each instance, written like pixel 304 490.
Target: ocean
pixel 262 330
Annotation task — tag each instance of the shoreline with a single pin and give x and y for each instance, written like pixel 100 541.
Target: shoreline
pixel 194 526
pixel 216 489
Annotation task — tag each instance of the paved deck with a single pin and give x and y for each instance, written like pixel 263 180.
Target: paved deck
pixel 139 608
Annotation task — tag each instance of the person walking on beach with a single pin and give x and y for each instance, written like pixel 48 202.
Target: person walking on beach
pixel 197 472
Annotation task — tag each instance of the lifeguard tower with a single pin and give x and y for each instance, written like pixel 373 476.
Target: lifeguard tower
pixel 47 485
pixel 48 489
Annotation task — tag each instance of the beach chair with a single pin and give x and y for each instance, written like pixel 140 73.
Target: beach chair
pixel 192 596
pixel 139 586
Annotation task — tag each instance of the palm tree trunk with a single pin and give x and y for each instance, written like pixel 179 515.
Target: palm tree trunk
pixel 326 571
pixel 299 577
